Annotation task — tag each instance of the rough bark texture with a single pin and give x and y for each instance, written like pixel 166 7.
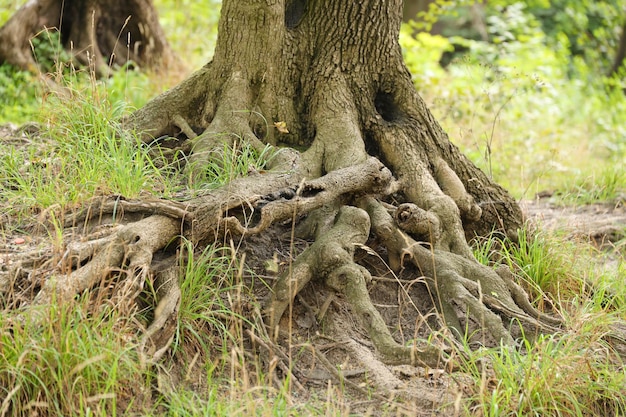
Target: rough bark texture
pixel 360 157
pixel 98 33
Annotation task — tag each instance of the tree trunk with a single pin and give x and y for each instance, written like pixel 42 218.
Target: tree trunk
pixel 620 54
pixel 359 156
pixel 343 91
pixel 331 76
pixel 98 33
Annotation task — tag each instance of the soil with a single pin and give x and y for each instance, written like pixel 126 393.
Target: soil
pixel 325 339
pixel 604 224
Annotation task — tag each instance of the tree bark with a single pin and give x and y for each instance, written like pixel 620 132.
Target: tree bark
pixel 620 55
pixel 98 33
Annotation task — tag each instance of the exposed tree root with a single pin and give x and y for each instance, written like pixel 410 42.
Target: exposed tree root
pixel 128 249
pixel 460 282
pixel 334 191
pixel 373 165
pixel 159 335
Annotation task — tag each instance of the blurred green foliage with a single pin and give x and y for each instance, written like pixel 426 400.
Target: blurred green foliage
pixel 523 105
pixel 589 29
pixel 18 95
pixel 191 27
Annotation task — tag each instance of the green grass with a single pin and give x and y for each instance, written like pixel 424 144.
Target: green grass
pixel 73 362
pixel 230 162
pixel 573 373
pixel 607 185
pixel 518 118
pixel 82 152
pixel 212 294
pixel 564 375
pixel 543 262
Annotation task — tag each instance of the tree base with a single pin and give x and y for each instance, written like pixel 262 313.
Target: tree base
pixel 97 34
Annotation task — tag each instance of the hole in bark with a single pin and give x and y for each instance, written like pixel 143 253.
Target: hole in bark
pixel 386 107
pixel 83 262
pixel 294 12
pixel 371 147
pixel 259 129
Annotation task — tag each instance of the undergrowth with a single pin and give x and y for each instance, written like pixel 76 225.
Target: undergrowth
pixel 79 362
pixel 79 151
pixel 511 107
pixel 576 372
pixel 572 374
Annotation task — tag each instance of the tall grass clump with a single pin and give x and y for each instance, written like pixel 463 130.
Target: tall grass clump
pixel 79 151
pixel 237 161
pixel 212 295
pixel 224 165
pixel 577 371
pixel 574 374
pixel 73 361
pixel 542 261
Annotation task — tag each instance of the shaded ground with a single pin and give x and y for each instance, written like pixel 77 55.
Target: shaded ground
pixel 321 335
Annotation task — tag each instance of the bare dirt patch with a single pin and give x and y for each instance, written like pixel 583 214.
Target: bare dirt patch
pixel 602 223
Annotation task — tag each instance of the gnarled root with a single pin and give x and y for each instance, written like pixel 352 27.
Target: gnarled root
pixel 331 258
pixel 127 248
pixel 421 224
pixel 131 245
pixel 159 335
pixel 461 285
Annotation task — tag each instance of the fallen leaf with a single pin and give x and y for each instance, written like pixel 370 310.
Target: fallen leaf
pixel 281 126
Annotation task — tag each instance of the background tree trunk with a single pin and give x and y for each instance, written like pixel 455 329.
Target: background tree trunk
pixel 618 62
pixel 98 33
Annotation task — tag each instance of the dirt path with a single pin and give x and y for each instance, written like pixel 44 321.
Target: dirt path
pixel 603 224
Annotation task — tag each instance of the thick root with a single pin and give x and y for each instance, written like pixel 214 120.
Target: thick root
pixel 331 258
pixel 125 248
pixel 159 335
pixel 131 247
pixel 423 225
pixel 452 186
pixel 461 286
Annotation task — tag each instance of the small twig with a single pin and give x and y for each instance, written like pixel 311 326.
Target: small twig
pixel 271 347
pixel 342 378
